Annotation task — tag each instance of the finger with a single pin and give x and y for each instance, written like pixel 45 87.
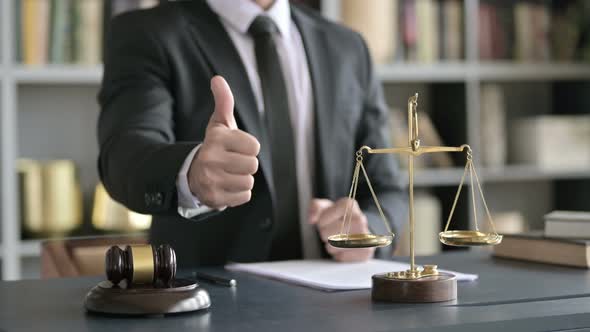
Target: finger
pixel 316 207
pixel 356 225
pixel 236 199
pixel 350 255
pixel 333 214
pixel 357 255
pixel 333 251
pixel 232 183
pixel 238 164
pixel 241 142
pixel 224 104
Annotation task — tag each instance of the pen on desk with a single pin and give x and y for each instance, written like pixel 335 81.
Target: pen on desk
pixel 228 282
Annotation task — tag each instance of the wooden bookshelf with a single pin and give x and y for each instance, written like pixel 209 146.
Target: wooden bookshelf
pixel 463 79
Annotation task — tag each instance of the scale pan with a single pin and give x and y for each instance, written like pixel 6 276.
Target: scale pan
pixel 360 240
pixel 469 238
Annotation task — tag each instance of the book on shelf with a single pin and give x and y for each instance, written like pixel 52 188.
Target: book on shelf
pixel 423 31
pixel 493 125
pixel 88 33
pixel 493 34
pixel 568 224
pixel 65 31
pixel 35 24
pixel 60 38
pixel 535 247
pixel 451 34
pixel 427 19
pixel 565 32
pixel 429 212
pixel 376 23
pixel 409 30
pixel 50 196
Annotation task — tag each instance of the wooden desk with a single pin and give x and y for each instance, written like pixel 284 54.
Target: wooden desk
pixel 509 295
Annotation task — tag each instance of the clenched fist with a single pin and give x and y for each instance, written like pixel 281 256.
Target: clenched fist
pixel 327 216
pixel 221 173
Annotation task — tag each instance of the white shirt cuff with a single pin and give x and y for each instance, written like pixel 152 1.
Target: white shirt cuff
pixel 189 206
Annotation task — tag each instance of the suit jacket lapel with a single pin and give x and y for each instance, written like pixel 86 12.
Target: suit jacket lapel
pixel 320 68
pixel 215 43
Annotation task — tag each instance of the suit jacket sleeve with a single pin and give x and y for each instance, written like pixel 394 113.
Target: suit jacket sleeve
pixel 139 157
pixel 383 170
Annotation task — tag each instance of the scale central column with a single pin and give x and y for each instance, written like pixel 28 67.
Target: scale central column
pixel 411 210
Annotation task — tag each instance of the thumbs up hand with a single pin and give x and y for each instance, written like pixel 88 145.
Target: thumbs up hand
pixel 221 173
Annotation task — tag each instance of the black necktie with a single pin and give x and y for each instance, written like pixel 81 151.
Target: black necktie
pixel 286 242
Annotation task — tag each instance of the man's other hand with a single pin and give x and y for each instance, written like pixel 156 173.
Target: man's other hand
pixel 221 173
pixel 327 216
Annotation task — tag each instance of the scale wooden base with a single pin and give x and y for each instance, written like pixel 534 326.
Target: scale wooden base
pixel 390 287
pixel 183 296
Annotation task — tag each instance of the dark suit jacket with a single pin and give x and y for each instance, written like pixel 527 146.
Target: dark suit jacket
pixel 156 103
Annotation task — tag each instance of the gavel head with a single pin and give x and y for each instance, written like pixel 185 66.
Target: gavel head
pixel 141 265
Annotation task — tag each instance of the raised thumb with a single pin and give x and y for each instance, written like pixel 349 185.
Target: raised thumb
pixel 224 103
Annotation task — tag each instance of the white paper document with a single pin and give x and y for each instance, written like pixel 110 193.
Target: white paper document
pixel 328 274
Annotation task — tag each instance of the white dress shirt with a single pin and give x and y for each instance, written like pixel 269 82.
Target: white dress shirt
pixel 236 17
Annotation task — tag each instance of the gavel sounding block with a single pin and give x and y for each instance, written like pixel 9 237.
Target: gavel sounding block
pixel 182 296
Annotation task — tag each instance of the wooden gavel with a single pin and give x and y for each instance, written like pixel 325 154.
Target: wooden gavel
pixel 141 265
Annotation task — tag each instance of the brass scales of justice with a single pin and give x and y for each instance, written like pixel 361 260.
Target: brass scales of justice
pixel 417 284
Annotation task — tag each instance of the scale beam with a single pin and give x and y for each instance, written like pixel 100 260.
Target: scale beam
pixel 421 150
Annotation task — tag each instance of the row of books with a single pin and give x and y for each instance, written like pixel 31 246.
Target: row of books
pixel 534 30
pixel 51 202
pixel 408 30
pixel 565 241
pixel 65 31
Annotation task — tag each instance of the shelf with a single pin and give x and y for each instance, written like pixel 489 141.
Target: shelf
pixel 437 177
pixel 26 248
pixel 532 173
pixel 30 248
pixel 493 71
pixel 423 72
pixel 58 75
pixel 510 71
pixel 511 173
pixel 389 73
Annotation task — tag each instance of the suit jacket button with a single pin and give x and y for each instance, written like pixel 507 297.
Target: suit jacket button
pixel 266 224
pixel 148 199
pixel 158 199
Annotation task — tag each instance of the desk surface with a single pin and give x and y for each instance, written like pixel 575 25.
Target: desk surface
pixel 509 295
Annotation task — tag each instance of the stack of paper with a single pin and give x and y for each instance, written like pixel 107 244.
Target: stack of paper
pixel 327 274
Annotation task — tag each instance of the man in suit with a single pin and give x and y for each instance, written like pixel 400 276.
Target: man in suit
pixel 235 123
